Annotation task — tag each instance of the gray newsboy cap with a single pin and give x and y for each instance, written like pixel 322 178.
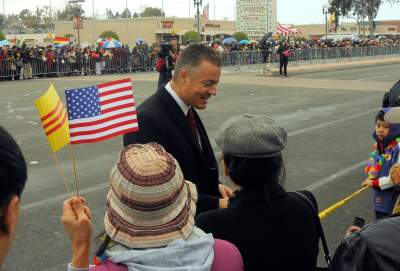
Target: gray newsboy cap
pixel 251 136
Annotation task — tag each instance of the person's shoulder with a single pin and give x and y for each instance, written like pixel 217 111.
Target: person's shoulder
pixel 153 102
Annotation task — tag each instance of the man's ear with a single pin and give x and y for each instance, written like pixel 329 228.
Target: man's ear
pixel 183 74
pixel 11 214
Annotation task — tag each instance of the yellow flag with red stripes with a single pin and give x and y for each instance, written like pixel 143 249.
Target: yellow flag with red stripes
pixel 54 119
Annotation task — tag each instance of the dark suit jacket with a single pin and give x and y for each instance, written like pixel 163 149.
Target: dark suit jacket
pixel 161 120
pixel 273 232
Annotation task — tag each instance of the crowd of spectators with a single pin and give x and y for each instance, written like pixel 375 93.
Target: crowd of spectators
pixel 26 62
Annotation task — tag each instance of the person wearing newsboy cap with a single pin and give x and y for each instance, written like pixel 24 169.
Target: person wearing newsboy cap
pixel 273 229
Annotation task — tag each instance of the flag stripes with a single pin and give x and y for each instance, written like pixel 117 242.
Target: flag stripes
pixel 48 115
pixel 53 115
pixel 101 112
pixel 58 126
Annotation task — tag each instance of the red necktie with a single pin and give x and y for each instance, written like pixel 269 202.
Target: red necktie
pixel 192 122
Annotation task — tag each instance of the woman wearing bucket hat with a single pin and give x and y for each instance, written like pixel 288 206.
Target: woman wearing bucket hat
pixel 271 227
pixel 149 218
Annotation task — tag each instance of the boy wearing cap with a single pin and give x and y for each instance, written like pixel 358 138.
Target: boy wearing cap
pixel 169 118
pixel 385 155
pixel 272 228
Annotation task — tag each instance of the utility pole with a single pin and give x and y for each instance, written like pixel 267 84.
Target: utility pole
pixel 4 18
pixel 127 20
pixel 93 22
pixel 162 16
pixel 325 11
pixel 372 18
pixel 78 15
pixel 197 4
pixel 214 10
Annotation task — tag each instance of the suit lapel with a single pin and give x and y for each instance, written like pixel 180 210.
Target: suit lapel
pixel 180 119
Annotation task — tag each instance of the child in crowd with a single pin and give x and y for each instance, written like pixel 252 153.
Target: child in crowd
pixel 384 156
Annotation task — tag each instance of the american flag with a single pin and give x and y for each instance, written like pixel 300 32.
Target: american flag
pixel 101 112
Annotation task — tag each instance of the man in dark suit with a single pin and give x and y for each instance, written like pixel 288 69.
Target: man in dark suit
pixel 169 118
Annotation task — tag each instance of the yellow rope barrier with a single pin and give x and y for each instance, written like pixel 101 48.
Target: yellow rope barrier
pixel 332 208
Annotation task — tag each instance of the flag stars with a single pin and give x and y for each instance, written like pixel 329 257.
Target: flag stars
pixel 83 102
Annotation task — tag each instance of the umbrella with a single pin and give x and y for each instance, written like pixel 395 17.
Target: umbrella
pixel 229 40
pixel 140 41
pixel 244 42
pixel 217 40
pixel 263 40
pixel 108 44
pixel 4 43
pixel 101 41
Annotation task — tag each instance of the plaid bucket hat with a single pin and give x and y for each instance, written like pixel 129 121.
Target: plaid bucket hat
pixel 149 203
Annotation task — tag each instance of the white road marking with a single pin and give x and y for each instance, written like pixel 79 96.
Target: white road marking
pixel 311 187
pixel 374 77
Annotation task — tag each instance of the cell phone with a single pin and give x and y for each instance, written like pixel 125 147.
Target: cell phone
pixel 359 222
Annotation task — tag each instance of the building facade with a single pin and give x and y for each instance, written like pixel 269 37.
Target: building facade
pixel 384 28
pixel 256 17
pixel 151 29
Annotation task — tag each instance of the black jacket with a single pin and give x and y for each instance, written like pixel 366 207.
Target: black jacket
pixel 376 247
pixel 273 229
pixel 161 120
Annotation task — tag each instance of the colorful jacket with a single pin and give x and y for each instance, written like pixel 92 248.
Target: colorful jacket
pixel 385 154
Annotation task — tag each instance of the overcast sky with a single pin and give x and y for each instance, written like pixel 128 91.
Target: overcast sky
pixel 289 11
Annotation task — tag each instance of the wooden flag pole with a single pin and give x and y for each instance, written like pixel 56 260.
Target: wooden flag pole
pixel 76 179
pixel 61 171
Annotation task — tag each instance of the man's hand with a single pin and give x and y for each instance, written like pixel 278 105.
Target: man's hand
pixel 366 183
pixel 352 229
pixel 225 191
pixel 223 203
pixel 78 225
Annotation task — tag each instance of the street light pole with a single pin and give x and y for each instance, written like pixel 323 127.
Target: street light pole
pixel 197 4
pixel 325 11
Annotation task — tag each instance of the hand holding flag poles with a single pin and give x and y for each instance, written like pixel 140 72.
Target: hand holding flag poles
pixel 94 114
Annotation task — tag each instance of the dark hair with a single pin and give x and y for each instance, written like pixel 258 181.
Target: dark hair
pixel 380 116
pixel 255 172
pixel 13 172
pixel 193 55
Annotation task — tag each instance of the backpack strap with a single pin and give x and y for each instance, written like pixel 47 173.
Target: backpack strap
pixel 305 198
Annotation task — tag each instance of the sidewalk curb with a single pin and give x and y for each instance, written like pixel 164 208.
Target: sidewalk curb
pixel 311 68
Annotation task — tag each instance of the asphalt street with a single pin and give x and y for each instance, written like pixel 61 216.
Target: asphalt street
pixel 329 117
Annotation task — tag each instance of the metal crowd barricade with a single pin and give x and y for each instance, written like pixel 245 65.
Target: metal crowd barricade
pixel 11 69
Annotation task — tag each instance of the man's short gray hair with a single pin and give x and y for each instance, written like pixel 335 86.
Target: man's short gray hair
pixel 193 55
